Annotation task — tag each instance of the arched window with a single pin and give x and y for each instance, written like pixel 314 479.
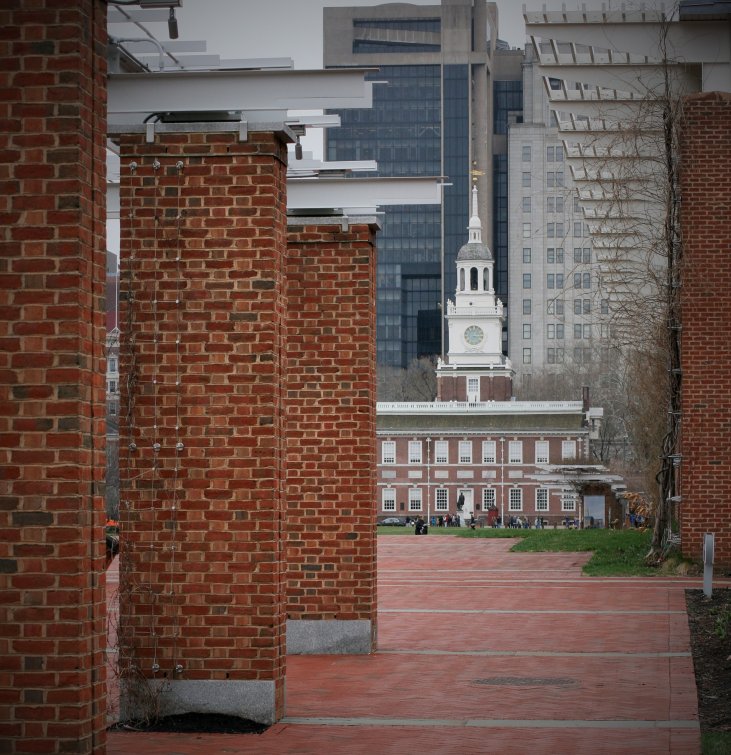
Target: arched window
pixel 461 279
pixel 473 279
pixel 486 279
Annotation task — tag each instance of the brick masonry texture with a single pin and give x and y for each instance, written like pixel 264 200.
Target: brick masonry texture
pixel 52 270
pixel 706 303
pixel 203 322
pixel 330 425
pixel 491 388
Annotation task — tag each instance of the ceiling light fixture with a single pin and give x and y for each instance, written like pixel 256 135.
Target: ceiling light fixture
pixel 172 24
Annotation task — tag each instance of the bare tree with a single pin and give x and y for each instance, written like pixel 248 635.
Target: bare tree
pixel 628 152
pixel 418 382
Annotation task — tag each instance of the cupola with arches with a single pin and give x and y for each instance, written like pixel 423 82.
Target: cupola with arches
pixel 475 369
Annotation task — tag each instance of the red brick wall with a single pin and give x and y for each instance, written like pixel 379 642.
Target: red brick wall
pixel 706 303
pixel 447 388
pixel 52 267
pixel 454 388
pixel 447 476
pixel 495 388
pixel 202 524
pixel 331 423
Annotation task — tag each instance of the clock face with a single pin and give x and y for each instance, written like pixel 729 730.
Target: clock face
pixel 473 335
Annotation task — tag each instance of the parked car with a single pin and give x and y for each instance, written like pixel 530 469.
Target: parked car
pixel 393 521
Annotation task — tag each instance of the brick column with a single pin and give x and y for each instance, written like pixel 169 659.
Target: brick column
pixel 52 269
pixel 706 303
pixel 331 435
pixel 202 318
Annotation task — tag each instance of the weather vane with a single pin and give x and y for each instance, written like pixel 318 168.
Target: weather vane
pixel 475 173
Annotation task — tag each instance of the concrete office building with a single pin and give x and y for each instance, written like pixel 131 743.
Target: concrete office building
pixel 433 117
pixel 555 310
pixel 616 73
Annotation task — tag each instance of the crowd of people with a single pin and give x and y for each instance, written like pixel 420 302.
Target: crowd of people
pixel 524 523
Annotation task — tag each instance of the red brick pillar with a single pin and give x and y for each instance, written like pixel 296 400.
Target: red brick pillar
pixel 203 220
pixel 52 269
pixel 706 303
pixel 331 435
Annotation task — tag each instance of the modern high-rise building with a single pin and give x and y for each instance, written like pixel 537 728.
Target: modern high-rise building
pixel 507 109
pixel 432 116
pixel 555 307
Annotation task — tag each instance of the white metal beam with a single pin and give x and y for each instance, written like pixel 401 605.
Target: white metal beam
pixel 188 62
pixel 173 45
pixel 363 193
pixel 307 167
pixel 132 97
pixel 115 15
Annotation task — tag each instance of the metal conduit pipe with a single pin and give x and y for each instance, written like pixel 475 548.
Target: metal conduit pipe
pixel 118 41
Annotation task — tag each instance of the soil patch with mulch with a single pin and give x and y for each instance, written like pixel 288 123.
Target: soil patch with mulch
pixel 196 723
pixel 710 638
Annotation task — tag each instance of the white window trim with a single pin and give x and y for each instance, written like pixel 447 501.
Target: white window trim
pixel 515 493
pixel 391 444
pixel 542 457
pixel 441 505
pixel 568 500
pixel 541 493
pixel 568 450
pixel 465 458
pixel 414 457
pixel 441 458
pixel 515 458
pixel 388 495
pixel 414 499
pixel 489 452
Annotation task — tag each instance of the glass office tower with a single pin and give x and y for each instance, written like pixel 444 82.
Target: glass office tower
pixel 430 119
pixel 507 109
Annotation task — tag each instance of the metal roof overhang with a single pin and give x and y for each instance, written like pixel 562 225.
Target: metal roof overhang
pixel 261 96
pixel 362 194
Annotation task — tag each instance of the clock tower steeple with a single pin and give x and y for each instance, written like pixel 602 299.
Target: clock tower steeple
pixel 476 368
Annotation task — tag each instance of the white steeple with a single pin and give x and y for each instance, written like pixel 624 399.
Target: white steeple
pixel 475 368
pixel 475 226
pixel 475 317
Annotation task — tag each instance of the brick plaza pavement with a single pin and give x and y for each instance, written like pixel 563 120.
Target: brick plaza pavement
pixel 486 651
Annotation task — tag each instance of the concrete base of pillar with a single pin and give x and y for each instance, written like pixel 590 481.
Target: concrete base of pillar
pixel 251 700
pixel 337 637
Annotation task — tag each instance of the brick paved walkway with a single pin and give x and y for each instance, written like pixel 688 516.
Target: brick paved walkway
pixel 486 651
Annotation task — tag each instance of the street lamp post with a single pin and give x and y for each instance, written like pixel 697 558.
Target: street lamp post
pixel 428 482
pixel 502 482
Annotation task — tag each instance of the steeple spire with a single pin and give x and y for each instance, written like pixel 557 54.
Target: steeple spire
pixel 475 226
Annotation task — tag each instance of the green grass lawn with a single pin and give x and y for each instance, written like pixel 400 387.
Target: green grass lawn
pixel 615 552
pixel 453 531
pixel 716 742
